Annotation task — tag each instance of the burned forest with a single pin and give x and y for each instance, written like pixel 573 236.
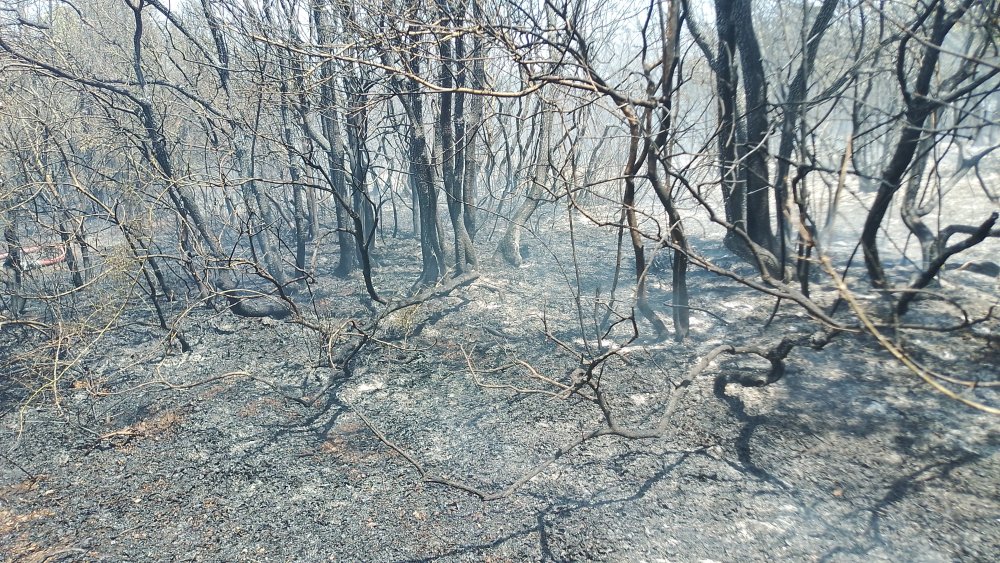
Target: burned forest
pixel 500 280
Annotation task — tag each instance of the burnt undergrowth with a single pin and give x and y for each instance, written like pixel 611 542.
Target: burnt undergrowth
pixel 515 414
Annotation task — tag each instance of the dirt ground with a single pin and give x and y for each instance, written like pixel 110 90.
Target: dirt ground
pixel 250 448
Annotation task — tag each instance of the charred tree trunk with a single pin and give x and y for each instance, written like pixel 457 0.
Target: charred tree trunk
pixel 187 207
pixel 69 232
pixel 474 121
pixel 793 111
pixel 733 190
pixel 298 200
pixel 628 203
pixel 15 263
pixel 660 157
pixel 261 221
pixel 433 262
pixel 431 251
pixel 758 187
pixel 450 136
pixel 362 212
pixel 510 245
pixel 414 186
pixel 330 122
pixel 910 211
pixel 919 106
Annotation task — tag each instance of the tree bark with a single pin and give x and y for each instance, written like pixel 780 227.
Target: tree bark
pixel 733 190
pixel 450 135
pixel 758 187
pixel 510 245
pixel 330 122
pixel 793 111
pixel 918 108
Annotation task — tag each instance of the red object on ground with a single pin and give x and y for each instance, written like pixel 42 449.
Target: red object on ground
pixel 29 262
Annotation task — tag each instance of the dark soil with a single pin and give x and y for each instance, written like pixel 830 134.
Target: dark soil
pixel 250 448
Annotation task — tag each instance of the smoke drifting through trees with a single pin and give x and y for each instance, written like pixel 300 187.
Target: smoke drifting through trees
pixel 219 154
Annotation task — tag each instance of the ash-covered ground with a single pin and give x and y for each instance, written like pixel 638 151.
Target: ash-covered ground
pixel 250 447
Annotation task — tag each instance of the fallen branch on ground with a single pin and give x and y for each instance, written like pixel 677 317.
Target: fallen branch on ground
pixel 775 354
